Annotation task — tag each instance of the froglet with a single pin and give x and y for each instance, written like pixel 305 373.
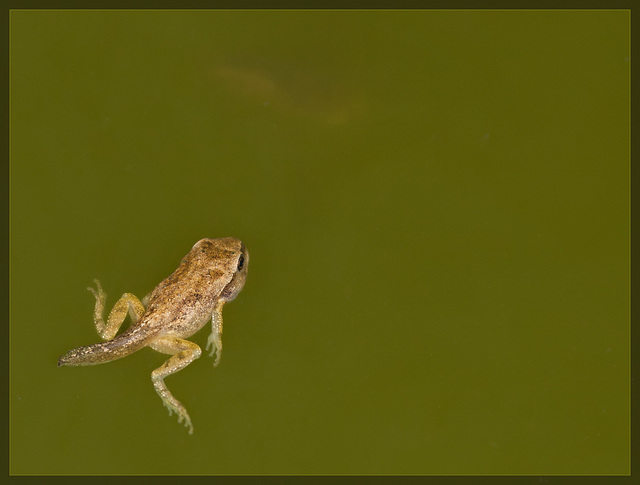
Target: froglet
pixel 211 274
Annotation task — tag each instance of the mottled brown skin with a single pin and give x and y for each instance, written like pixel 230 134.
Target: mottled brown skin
pixel 212 274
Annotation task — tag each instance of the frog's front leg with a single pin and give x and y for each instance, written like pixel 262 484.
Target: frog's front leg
pixel 215 339
pixel 126 303
pixel 183 353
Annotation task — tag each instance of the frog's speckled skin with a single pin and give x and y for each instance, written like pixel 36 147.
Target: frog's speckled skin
pixel 212 274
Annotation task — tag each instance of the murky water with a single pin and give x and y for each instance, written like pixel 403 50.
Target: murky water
pixel 436 207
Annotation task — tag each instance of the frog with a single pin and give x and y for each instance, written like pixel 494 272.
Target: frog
pixel 210 275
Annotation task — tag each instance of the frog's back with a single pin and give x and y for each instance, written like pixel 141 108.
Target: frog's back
pixel 189 294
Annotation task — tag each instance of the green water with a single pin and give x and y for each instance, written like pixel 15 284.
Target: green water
pixel 436 207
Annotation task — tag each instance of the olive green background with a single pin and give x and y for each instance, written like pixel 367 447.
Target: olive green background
pixel 436 208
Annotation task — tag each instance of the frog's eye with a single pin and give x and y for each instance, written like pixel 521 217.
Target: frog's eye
pixel 241 262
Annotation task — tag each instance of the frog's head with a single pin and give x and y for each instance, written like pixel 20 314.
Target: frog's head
pixel 227 257
pixel 240 262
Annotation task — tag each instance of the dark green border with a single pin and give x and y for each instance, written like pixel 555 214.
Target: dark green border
pixel 257 4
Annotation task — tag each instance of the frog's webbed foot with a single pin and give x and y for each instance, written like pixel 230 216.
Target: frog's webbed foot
pixel 181 412
pixel 98 292
pixel 101 298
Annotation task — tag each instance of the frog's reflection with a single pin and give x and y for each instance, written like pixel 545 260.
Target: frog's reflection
pixel 291 91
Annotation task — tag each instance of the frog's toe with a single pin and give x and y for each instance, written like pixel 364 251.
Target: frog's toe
pixel 168 406
pixel 187 424
pixel 98 292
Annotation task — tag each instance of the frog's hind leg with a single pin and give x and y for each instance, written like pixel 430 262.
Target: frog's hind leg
pixel 127 303
pixel 182 352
